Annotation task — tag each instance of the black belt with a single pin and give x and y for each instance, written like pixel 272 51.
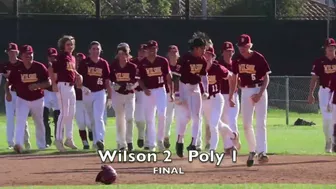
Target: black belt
pixel 213 96
pixel 68 84
pixel 252 86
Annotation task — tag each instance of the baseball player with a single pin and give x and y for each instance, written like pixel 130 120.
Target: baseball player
pixel 230 114
pixel 63 75
pixel 253 71
pixel 191 69
pixel 81 114
pixel 50 100
pixel 139 114
pixel 95 71
pixel 323 68
pixel 173 55
pixel 213 106
pixel 10 99
pixel 331 107
pixel 124 80
pixel 154 71
pixel 29 80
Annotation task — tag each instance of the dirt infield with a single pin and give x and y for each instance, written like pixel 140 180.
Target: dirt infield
pixel 82 169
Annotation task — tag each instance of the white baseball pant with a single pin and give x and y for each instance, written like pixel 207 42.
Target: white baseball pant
pixel 156 101
pixel 82 117
pixel 139 114
pixel 10 108
pixel 324 95
pixel 256 143
pixel 230 116
pixel 95 103
pixel 169 116
pixel 66 98
pixel 192 104
pixel 124 106
pixel 23 107
pixel 50 100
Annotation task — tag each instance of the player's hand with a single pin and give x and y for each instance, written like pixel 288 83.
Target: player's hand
pixel 311 99
pixel 109 103
pixel 33 87
pixel 205 96
pixel 232 103
pixel 86 90
pixel 54 88
pixel 8 97
pixel 147 92
pixel 115 86
pixel 256 97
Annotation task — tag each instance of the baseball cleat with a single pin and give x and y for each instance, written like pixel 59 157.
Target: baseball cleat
pixel 70 144
pixel 152 149
pixel 250 159
pixel 207 147
pixel 146 148
pixel 100 145
pixel 90 136
pixel 191 147
pixel 18 149
pixel 59 146
pixel 10 147
pixel 179 149
pixel 161 146
pixel 140 143
pixel 86 145
pixel 262 158
pixel 236 141
pixel 130 146
pixel 328 146
pixel 166 143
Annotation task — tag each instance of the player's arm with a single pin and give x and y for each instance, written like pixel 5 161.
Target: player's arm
pixel 204 79
pixel 169 79
pixel 265 69
pixel 108 81
pixel 313 82
pixel 233 81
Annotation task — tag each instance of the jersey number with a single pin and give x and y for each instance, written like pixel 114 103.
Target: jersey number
pixel 214 88
pixel 100 81
pixel 253 77
pixel 160 79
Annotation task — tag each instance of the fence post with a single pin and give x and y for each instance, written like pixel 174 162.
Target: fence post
pixel 98 9
pixel 187 9
pixel 205 9
pixel 287 100
pixel 16 15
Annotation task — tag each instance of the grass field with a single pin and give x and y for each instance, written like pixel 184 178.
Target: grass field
pixel 282 139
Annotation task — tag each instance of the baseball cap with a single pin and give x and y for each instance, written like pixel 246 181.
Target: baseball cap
pixel 152 43
pixel 80 55
pixel 12 47
pixel 173 47
pixel 211 50
pixel 143 47
pixel 26 49
pixel 52 52
pixel 244 39
pixel 329 42
pixel 227 46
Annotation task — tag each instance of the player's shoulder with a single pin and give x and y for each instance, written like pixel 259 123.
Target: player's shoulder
pixel 162 59
pixel 258 55
pixel 103 61
pixel 39 64
pixel 132 65
pixel 319 60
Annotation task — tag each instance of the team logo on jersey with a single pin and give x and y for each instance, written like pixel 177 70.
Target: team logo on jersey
pixel 247 68
pixel 123 77
pixel 93 71
pixel 212 79
pixel 156 71
pixel 29 78
pixel 329 69
pixel 196 68
pixel 70 66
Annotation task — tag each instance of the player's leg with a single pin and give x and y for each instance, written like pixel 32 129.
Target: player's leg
pixel 215 110
pixel 230 117
pixel 36 109
pixel 139 116
pixel 88 122
pixel 80 120
pixel 118 104
pixel 227 133
pixel 88 103
pixel 333 141
pixel 69 142
pixel 161 104
pixel 26 137
pixel 56 109
pixel 261 135
pixel 63 102
pixel 150 110
pixel 22 111
pixel 10 127
pixel 324 94
pixel 247 111
pixel 99 106
pixel 194 105
pixel 129 111
pixel 169 119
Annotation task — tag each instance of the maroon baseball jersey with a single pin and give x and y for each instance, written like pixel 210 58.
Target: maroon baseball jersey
pixel 94 74
pixel 191 68
pixel 64 67
pixel 153 74
pixel 216 74
pixel 22 77
pixel 251 71
pixel 79 93
pixel 324 68
pixel 136 61
pixel 225 87
pixel 124 76
pixel 8 67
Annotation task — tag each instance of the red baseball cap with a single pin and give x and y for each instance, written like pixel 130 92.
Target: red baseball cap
pixel 244 39
pixel 211 50
pixel 26 49
pixel 152 43
pixel 12 47
pixel 173 47
pixel 52 52
pixel 80 55
pixel 329 42
pixel 227 46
